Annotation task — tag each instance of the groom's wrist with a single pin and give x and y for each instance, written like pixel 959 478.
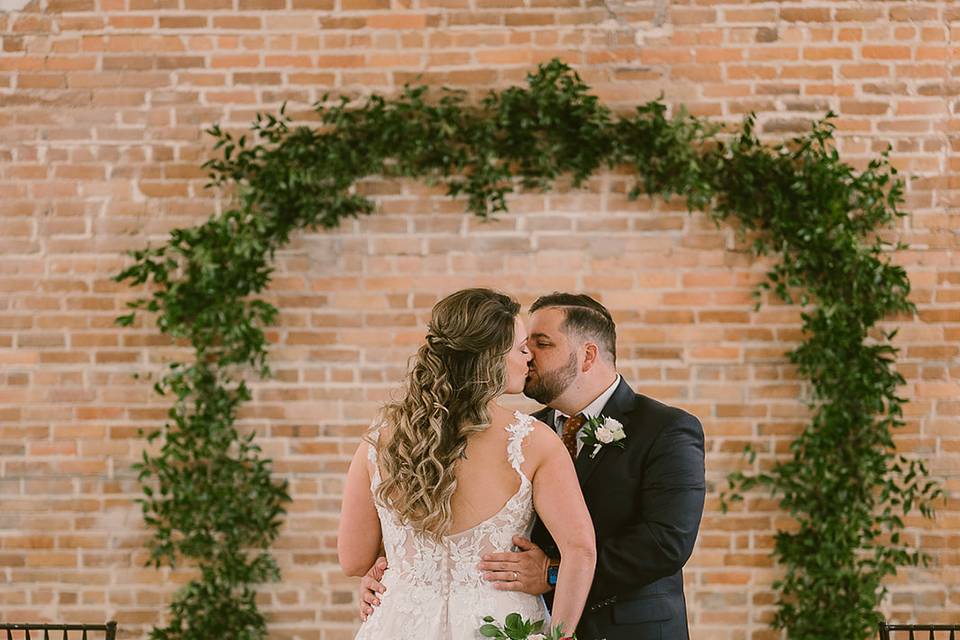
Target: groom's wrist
pixel 552 572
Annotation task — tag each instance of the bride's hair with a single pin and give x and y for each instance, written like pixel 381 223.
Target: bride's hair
pixel 455 374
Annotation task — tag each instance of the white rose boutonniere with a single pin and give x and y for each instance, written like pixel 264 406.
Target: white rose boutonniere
pixel 600 431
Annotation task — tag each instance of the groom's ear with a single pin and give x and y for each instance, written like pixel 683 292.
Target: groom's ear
pixel 590 356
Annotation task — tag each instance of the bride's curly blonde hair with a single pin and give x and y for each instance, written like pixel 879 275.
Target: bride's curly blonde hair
pixel 454 375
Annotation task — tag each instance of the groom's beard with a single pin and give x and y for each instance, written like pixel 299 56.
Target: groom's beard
pixel 545 386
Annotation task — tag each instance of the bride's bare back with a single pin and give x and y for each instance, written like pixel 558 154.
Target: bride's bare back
pixel 485 478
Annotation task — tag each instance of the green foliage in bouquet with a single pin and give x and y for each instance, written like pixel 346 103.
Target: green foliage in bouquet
pixel 515 627
pixel 209 494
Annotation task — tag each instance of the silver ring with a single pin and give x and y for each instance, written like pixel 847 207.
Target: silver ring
pixel 516 576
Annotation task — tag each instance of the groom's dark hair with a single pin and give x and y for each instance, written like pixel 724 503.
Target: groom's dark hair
pixel 585 317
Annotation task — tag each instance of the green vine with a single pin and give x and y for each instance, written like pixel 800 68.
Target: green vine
pixel 209 495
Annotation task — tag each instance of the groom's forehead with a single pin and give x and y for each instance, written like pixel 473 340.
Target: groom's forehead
pixel 547 322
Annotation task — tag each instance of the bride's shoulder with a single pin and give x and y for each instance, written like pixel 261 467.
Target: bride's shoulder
pixel 379 431
pixel 533 421
pixel 375 437
pixel 539 437
pixel 526 423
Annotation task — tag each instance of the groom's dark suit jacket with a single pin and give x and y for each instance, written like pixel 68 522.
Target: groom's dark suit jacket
pixel 646 501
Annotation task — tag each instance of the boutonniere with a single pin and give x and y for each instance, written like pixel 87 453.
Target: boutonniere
pixel 600 431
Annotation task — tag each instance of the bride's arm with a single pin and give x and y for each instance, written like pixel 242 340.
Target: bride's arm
pixel 559 503
pixel 359 538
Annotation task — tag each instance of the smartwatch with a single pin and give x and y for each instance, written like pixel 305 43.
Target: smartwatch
pixel 552 571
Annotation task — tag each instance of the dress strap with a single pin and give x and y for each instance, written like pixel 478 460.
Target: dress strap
pixel 518 430
pixel 373 437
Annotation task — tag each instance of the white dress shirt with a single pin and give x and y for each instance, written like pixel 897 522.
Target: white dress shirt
pixel 591 410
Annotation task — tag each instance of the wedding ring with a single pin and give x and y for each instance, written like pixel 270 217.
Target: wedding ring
pixel 516 576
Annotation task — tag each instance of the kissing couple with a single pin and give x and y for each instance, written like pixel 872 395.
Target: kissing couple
pixel 583 514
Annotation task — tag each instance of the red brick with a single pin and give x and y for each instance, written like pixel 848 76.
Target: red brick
pixel 913 13
pixel 128 63
pixel 183 22
pixel 41 81
pixel 237 22
pixel 773 53
pixel 885 52
pixel 796 14
pixel 859 14
pixel 365 5
pixel 827 53
pixel 526 19
pixel 261 5
pixel 864 71
pixel 70 6
pixel 208 5
pixel 764 16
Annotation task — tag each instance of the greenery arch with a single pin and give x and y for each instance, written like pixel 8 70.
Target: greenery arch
pixel 208 492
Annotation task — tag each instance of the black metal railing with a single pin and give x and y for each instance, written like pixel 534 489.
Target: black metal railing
pixel 919 631
pixel 109 629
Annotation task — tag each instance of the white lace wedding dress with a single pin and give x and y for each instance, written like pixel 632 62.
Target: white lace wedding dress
pixel 434 590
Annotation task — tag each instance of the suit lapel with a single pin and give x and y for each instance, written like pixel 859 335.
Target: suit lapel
pixel 547 416
pixel 585 464
pixel 617 407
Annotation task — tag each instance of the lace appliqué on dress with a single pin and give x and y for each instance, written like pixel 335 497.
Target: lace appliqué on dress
pixel 434 589
pixel 518 431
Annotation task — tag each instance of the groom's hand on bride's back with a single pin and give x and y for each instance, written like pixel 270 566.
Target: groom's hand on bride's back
pixel 370 588
pixel 524 570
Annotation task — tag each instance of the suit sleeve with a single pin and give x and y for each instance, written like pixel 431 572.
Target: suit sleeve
pixel 670 501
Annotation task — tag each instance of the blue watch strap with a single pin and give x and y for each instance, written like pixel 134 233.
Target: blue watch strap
pixel 552 572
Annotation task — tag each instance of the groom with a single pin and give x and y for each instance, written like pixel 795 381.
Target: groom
pixel 645 499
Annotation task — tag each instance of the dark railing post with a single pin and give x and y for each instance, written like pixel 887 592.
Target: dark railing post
pixel 109 629
pixel 886 630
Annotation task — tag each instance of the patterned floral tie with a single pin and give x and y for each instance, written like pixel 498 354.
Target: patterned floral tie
pixel 569 436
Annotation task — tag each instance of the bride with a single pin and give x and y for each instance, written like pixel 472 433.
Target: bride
pixel 447 474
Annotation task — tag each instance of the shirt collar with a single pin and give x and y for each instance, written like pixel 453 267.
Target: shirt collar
pixel 594 408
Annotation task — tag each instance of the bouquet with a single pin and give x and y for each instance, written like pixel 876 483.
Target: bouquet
pixel 516 628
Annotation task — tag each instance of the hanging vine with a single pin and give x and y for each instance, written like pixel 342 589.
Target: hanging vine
pixel 209 495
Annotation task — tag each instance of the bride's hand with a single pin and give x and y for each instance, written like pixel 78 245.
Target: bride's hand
pixel 370 587
pixel 524 571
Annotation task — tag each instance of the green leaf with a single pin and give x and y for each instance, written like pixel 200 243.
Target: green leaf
pixel 490 631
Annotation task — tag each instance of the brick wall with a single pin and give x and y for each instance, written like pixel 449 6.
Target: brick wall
pixel 102 108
